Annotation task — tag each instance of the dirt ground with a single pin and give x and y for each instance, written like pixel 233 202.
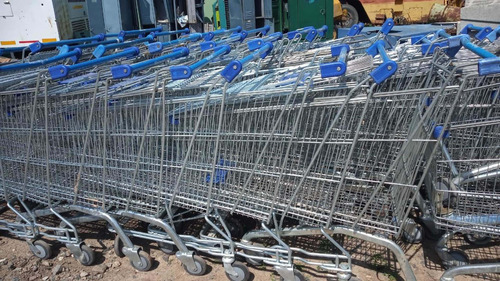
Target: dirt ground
pixel 370 262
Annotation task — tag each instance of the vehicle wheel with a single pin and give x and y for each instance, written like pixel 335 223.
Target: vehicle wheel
pixel 477 240
pixel 350 16
pixel 242 272
pixel 41 249
pixel 457 258
pixel 145 264
pixel 298 276
pixel 201 266
pixel 88 257
pixel 167 248
pixel 118 246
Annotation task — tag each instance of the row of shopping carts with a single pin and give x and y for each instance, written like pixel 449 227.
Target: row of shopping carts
pixel 304 136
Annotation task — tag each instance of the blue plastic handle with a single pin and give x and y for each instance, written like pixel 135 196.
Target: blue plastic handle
pixel 184 72
pixel 292 34
pixel 494 34
pixel 101 49
pixel 207 45
pixel 126 70
pixel 387 68
pixel 11 50
pixel 158 46
pixel 60 71
pixel 355 29
pixel 490 64
pixel 322 30
pixel 38 46
pixel 387 26
pixel 259 42
pixel 65 48
pixel 337 68
pixel 125 33
pixel 210 35
pixel 73 55
pixel 482 32
pixel 173 32
pixel 234 67
pixel 263 30
pixel 108 35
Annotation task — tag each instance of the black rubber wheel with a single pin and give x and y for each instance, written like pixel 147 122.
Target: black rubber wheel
pixel 477 240
pixel 145 264
pixel 118 246
pixel 350 17
pixel 88 256
pixel 298 276
pixel 242 272
pixel 458 258
pixel 41 249
pixel 201 266
pixel 167 248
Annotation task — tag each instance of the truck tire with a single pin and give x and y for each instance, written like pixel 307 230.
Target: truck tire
pixel 350 17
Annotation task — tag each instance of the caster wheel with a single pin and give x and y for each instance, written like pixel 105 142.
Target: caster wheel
pixel 118 246
pixel 298 276
pixel 167 248
pixel 145 264
pixel 201 266
pixel 457 258
pixel 477 240
pixel 41 249
pixel 241 270
pixel 88 256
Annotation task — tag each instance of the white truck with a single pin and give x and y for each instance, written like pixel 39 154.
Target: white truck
pixel 23 22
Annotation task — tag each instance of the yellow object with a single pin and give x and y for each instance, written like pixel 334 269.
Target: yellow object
pixel 7 43
pixel 406 11
pixel 337 9
pixel 45 40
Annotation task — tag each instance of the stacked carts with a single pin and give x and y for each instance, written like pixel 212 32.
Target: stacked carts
pixel 300 136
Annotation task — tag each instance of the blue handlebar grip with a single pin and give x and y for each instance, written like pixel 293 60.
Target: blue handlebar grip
pixel 387 26
pixel 263 30
pixel 442 33
pixel 38 46
pixel 259 42
pixel 61 71
pixel 292 34
pixel 126 70
pixel 387 68
pixel 184 72
pixel 234 67
pixel 207 45
pixel 311 35
pixel 158 46
pixel 353 30
pixel 66 48
pixel 494 34
pixel 73 55
pixel 322 30
pixel 125 33
pixel 337 68
pixel 361 26
pixel 182 31
pixel 482 32
pixel 101 49
pixel 465 41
